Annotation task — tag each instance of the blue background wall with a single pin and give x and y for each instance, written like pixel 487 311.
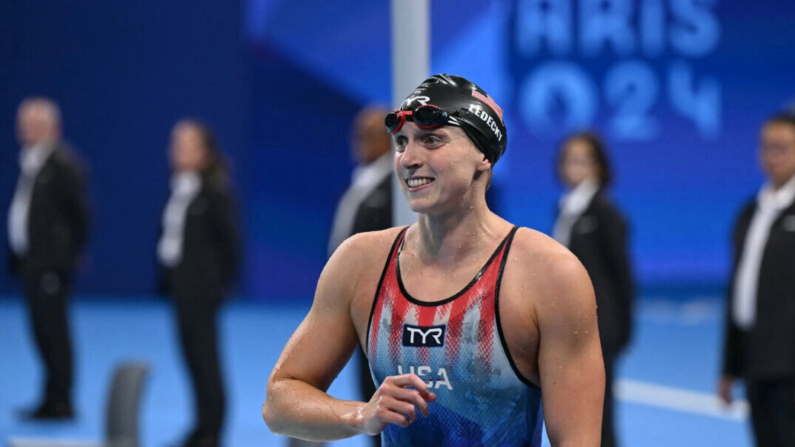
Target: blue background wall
pixel 678 88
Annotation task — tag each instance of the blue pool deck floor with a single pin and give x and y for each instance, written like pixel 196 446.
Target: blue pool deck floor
pixel 665 388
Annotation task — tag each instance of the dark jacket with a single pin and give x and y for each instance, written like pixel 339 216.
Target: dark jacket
pixel 211 246
pixel 58 216
pixel 768 349
pixel 375 211
pixel 599 240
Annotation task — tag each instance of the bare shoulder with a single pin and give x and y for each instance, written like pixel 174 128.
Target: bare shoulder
pixel 351 276
pixel 362 250
pixel 559 286
pixel 543 262
pixel 545 278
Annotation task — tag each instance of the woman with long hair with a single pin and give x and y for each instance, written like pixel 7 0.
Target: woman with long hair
pixel 198 252
pixel 595 230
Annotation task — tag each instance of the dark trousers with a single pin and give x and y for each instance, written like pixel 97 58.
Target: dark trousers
pixel 608 430
pixel 47 294
pixel 198 334
pixel 772 411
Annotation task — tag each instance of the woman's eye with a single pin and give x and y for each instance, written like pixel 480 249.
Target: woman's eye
pixel 432 140
pixel 400 143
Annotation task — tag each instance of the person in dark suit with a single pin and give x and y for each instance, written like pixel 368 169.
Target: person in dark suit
pixel 47 229
pixel 365 206
pixel 199 252
pixel 760 319
pixel 595 230
pixel 367 203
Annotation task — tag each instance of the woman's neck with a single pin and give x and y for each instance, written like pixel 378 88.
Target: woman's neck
pixel 453 236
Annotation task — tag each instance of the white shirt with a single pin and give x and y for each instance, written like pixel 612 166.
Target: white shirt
pixel 363 182
pixel 769 205
pixel 31 160
pixel 572 205
pixel 184 188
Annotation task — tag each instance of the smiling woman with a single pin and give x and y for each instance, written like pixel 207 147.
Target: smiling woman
pixel 431 163
pixel 467 322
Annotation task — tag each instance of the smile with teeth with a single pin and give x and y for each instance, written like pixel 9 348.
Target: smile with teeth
pixel 417 182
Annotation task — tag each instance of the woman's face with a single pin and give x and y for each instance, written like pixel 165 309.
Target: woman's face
pixel 437 168
pixel 187 150
pixel 578 162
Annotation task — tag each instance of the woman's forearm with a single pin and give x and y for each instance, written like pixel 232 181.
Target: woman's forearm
pixel 299 410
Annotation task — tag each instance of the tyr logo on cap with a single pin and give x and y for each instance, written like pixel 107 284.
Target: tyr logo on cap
pixel 423 100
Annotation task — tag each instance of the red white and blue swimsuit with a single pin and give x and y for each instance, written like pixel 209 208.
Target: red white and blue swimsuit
pixel 456 345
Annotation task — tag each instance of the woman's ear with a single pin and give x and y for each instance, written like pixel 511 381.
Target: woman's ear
pixel 484 164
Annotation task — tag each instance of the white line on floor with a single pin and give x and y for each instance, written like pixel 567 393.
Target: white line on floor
pixel 677 399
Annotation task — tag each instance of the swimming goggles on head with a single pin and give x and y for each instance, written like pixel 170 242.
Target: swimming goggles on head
pixel 425 117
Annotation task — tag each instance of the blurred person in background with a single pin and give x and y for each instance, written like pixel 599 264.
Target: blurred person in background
pixel 198 253
pixel 367 204
pixel 466 318
pixel 595 230
pixel 760 320
pixel 47 230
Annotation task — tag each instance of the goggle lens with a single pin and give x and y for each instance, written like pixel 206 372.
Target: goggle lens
pixel 430 117
pixel 394 120
pixel 425 117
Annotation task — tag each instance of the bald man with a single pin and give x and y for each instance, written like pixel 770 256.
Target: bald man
pixel 47 226
pixel 367 204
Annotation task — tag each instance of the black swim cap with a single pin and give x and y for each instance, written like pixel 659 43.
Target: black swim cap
pixel 469 106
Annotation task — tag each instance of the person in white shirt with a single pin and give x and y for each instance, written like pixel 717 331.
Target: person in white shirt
pixel 595 231
pixel 760 319
pixel 199 253
pixel 47 230
pixel 372 151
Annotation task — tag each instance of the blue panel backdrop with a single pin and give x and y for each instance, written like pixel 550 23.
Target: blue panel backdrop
pixel 678 88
